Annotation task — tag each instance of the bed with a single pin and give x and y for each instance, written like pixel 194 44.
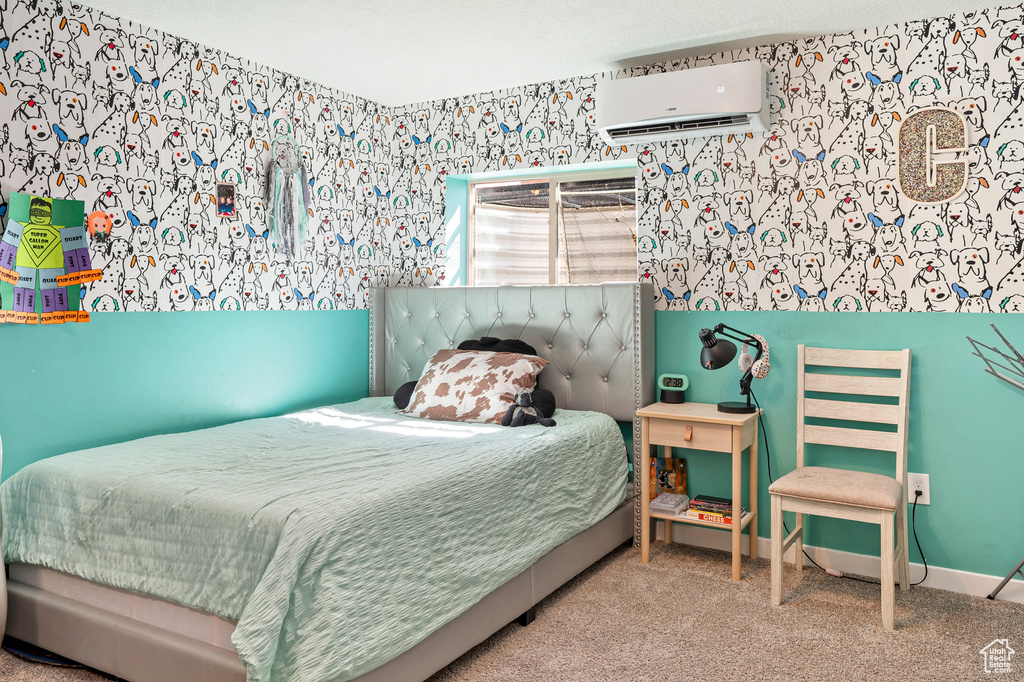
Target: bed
pixel 368 621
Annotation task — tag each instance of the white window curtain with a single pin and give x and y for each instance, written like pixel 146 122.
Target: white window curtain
pixel 510 245
pixel 596 244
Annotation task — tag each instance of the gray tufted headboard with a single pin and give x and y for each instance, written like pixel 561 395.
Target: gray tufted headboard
pixel 598 338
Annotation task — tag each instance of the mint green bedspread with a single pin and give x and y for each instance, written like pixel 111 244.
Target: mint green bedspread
pixel 337 537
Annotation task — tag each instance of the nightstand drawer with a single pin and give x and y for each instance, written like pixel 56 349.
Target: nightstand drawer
pixel 672 432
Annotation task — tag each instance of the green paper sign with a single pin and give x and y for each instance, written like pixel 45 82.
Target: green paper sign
pixel 40 247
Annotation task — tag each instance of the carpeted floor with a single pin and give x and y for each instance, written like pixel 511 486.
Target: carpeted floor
pixel 15 669
pixel 681 617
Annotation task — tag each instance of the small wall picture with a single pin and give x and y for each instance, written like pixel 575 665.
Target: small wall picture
pixel 225 200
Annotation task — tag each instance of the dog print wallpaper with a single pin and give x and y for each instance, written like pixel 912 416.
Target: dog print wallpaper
pixel 807 217
pixel 141 124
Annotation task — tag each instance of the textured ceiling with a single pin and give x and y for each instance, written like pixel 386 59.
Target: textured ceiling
pixel 404 51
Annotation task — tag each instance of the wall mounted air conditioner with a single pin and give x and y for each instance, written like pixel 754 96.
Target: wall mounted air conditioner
pixel 710 100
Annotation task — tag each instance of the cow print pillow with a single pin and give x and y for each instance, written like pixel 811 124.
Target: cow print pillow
pixel 472 386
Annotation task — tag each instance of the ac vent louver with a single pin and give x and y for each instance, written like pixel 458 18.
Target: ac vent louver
pixel 678 126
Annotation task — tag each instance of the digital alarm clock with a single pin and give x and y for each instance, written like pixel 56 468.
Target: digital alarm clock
pixel 673 387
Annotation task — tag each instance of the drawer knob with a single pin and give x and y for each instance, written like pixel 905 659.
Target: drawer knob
pixel 689 433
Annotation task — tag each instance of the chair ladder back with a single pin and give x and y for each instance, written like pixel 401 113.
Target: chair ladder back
pixel 902 432
pixel 846 410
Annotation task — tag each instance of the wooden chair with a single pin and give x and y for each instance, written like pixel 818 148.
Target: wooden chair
pixel 842 493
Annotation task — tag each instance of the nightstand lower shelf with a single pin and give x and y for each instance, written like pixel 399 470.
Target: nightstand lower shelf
pixel 744 520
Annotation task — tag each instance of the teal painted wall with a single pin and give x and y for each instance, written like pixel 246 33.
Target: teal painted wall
pixel 966 427
pixel 128 375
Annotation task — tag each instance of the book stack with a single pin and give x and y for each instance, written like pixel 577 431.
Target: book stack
pixel 670 504
pixel 712 509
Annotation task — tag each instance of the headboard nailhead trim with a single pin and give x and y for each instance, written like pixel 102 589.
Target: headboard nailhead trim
pixel 637 348
pixel 373 349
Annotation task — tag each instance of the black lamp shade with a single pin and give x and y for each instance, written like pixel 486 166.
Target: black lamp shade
pixel 716 352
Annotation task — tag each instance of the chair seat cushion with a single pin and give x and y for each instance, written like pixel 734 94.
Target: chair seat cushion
pixel 840 486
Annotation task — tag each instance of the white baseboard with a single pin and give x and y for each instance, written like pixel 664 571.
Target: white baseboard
pixel 965 582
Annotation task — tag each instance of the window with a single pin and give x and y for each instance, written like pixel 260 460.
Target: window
pixel 573 228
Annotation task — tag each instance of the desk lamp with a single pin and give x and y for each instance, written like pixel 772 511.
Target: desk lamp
pixel 717 353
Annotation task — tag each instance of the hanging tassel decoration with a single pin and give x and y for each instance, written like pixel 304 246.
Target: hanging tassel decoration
pixel 287 195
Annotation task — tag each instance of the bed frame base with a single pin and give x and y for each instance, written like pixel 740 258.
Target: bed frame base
pixel 135 651
pixel 115 644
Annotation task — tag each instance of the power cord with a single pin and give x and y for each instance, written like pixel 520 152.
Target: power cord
pixel 839 574
pixel 913 527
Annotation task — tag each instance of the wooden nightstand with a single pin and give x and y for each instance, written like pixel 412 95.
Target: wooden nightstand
pixel 699 426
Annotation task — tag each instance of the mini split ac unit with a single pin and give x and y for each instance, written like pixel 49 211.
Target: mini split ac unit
pixel 711 100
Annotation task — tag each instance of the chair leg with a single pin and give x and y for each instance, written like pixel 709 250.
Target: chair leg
pixel 901 541
pixel 776 551
pixel 888 579
pixel 3 599
pixel 798 544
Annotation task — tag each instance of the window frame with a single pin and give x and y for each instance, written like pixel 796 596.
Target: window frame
pixel 555 177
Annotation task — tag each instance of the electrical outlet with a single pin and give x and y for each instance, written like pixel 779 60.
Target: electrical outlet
pixel 918 482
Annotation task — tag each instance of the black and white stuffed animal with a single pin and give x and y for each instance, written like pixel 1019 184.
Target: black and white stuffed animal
pixel 522 409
